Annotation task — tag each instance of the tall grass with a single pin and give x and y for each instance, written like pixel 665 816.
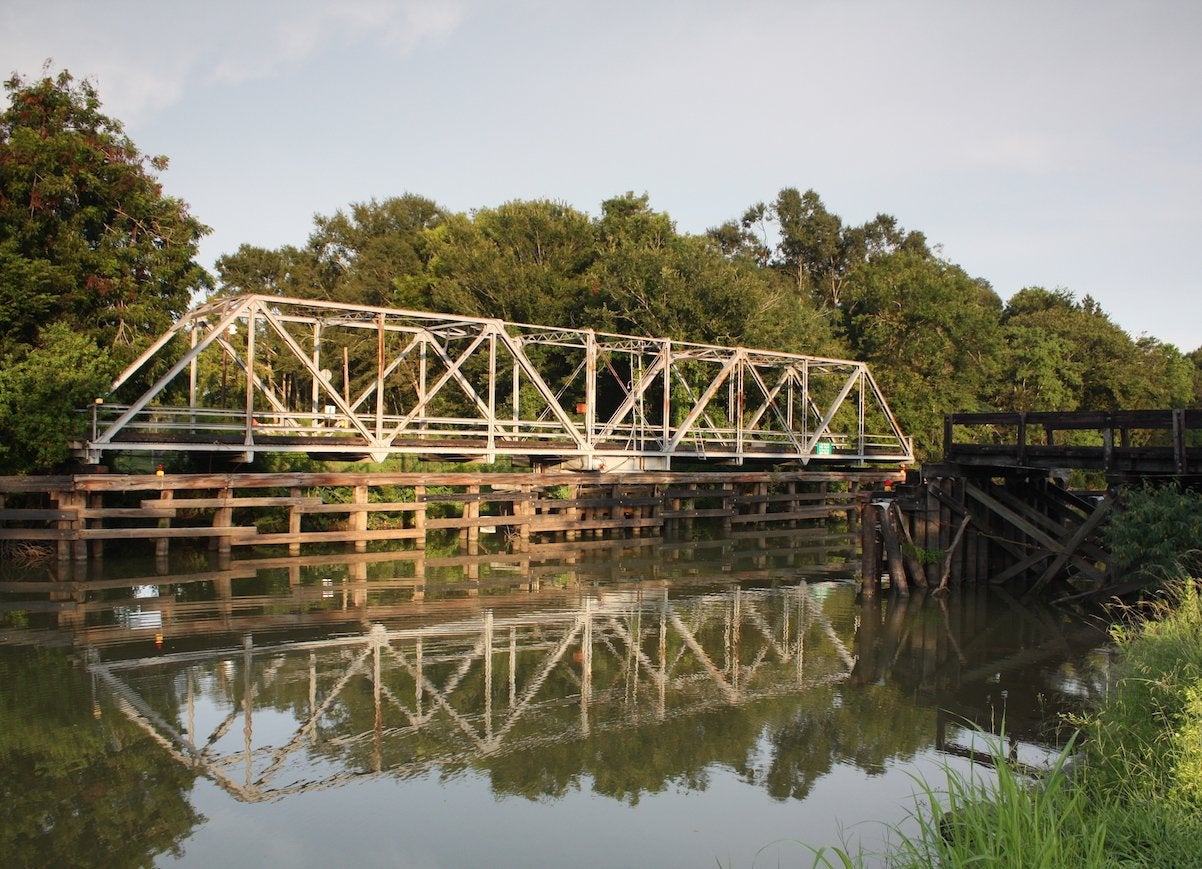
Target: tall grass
pixel 1143 747
pixel 1134 795
pixel 1005 820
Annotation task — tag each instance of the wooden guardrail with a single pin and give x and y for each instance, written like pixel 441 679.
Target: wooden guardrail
pixel 1125 442
pixel 79 515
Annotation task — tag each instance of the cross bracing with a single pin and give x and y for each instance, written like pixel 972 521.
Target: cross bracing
pixel 272 719
pixel 254 374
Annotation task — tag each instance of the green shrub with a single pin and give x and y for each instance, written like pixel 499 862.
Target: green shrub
pixel 1157 531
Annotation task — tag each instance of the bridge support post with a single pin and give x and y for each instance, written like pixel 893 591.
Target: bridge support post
pixel 419 517
pixel 97 503
pixel 358 518
pixel 870 549
pixel 162 545
pixel 294 521
pixel 223 518
pixel 471 512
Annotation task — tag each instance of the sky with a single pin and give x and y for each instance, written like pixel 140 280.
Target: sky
pixel 1052 144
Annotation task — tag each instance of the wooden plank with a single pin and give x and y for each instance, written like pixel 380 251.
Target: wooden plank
pixel 463 497
pixel 475 521
pixel 157 533
pixel 600 524
pixel 598 503
pixel 1022 566
pixel 717 512
pixel 232 503
pixel 184 482
pixel 34 484
pixel 127 513
pixel 768 518
pixel 37 533
pixel 22 514
pixel 1020 522
pixel 370 507
pixel 325 537
pixel 833 497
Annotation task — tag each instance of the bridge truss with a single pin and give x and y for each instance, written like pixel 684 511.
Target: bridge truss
pixel 254 374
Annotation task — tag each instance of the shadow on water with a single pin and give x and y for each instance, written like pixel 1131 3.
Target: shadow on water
pixel 629 670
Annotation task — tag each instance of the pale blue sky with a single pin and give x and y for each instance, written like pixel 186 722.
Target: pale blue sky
pixel 1046 143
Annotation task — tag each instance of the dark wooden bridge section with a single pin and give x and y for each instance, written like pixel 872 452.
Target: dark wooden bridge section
pixel 1125 444
pixel 1023 498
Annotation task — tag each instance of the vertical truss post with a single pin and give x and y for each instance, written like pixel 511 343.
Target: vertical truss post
pixel 421 373
pixel 665 353
pixel 380 362
pixel 590 388
pixel 862 449
pixel 492 397
pixel 738 410
pixel 250 377
pixel 517 395
pixel 191 384
pixel 316 368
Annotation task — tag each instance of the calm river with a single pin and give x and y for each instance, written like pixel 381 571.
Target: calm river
pixel 642 703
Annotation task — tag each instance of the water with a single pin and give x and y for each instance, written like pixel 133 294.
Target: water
pixel 645 703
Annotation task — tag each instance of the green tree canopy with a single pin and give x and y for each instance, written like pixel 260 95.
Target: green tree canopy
pixel 931 334
pixel 1100 366
pixel 90 245
pixel 87 236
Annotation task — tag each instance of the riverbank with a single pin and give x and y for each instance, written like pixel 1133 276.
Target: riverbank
pixel 1133 796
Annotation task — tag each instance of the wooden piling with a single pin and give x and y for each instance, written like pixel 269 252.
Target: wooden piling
pixel 870 563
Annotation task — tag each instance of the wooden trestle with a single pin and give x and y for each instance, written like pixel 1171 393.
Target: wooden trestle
pixel 998 508
pixel 78 515
pixel 946 526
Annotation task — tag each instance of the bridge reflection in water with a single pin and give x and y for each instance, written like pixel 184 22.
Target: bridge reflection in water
pixel 732 687
pixel 273 719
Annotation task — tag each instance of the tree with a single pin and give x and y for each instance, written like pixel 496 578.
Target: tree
pixel 931 334
pixel 1097 360
pixel 523 261
pixel 1195 358
pixel 40 389
pixel 649 280
pixel 87 236
pixel 370 255
pixel 88 243
pixel 1037 371
pixel 813 247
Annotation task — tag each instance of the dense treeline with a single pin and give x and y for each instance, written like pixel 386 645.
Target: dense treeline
pixel 95 260
pixel 788 275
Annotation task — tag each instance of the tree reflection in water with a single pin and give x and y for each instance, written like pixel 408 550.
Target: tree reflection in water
pixel 77 779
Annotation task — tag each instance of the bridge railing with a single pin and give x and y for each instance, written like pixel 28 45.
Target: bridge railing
pixel 1122 441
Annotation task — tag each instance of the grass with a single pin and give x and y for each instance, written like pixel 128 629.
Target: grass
pixel 1133 797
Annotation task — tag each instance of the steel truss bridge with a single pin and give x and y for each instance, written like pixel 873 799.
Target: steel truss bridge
pixel 254 374
pixel 269 720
